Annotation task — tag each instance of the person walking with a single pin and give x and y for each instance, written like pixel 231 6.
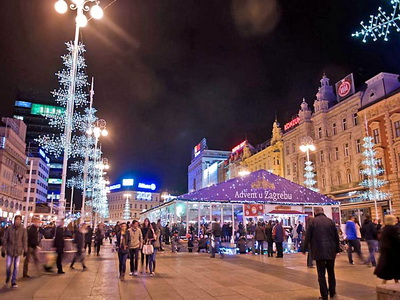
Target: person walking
pixel 159 227
pixel 157 245
pixel 388 267
pixel 88 239
pixel 306 247
pixel 123 240
pixel 145 228
pixel 260 238
pixel 79 237
pixel 59 244
pixel 15 244
pixel 278 234
pixel 270 240
pixel 135 244
pixel 216 232
pixel 167 234
pixel 33 244
pixel 98 237
pixel 370 234
pixel 149 239
pixel 323 240
pixel 352 240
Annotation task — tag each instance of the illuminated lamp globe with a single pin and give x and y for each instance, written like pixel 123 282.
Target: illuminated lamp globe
pixel 97 131
pixel 104 132
pixel 303 148
pixel 312 147
pixel 96 12
pixel 81 20
pixel 61 6
pixel 89 131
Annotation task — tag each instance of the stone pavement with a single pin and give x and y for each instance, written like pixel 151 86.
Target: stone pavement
pixel 194 276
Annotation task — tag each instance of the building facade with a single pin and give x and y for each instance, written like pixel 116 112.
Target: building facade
pixel 12 167
pixel 138 202
pixel 203 169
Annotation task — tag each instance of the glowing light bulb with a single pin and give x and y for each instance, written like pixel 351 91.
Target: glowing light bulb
pixel 61 6
pixel 81 20
pixel 104 132
pixel 96 12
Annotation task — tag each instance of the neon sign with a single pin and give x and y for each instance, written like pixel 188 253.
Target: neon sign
pixel 43 155
pixel 54 181
pixel 127 182
pixel 291 124
pixel 239 147
pixel 144 196
pixel 147 186
pixel 115 187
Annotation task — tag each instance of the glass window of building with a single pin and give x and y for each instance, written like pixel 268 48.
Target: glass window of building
pixel 344 124
pixel 321 156
pixel 375 134
pixel 348 173
pixel 336 153
pixel 355 119
pixel 334 129
pixel 396 129
pixel 358 146
pixel 346 150
pixel 320 132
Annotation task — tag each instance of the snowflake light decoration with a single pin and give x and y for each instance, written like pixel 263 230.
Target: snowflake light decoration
pixel 309 175
pixel 379 26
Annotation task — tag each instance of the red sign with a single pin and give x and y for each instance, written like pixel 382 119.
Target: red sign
pixel 253 210
pixel 291 124
pixel 238 147
pixel 344 89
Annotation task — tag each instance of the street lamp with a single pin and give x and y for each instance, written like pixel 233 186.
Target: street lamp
pixel 61 7
pixel 306 146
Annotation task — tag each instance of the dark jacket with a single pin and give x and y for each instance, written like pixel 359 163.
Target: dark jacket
pixel 89 235
pixel 369 231
pixel 278 233
pixel 260 233
pixel 216 230
pixel 33 236
pixel 388 267
pixel 15 241
pixel 127 238
pixel 78 240
pixel 268 233
pixel 323 238
pixel 59 239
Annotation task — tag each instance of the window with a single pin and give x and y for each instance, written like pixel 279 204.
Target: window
pixel 355 119
pixel 375 134
pixel 396 129
pixel 358 146
pixel 145 206
pixel 346 150
pixel 294 167
pixel 135 206
pixel 323 180
pixel 339 179
pixel 336 153
pixel 348 175
pixel 320 132
pixel 287 150
pixel 140 206
pixel 293 147
pixel 321 156
pixel 334 129
pixel 344 124
pixel 288 169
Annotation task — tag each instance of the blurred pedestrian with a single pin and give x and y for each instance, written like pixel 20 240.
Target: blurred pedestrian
pixel 33 244
pixel 88 239
pixel 260 238
pixel 307 247
pixel 270 240
pixel 388 267
pixel 216 233
pixel 98 237
pixel 123 240
pixel 59 244
pixel 353 240
pixel 15 244
pixel 370 234
pixel 157 245
pixel 79 239
pixel 136 242
pixel 167 234
pixel 278 234
pixel 323 240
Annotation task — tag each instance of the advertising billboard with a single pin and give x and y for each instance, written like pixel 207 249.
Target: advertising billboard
pixel 199 147
pixel 345 87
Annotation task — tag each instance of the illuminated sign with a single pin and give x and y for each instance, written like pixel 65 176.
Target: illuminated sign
pixel 54 181
pixel 43 155
pixel 199 147
pixel 55 166
pixel 147 186
pixel 291 124
pixel 40 109
pixel 144 196
pixel 115 187
pixel 127 182
pixel 345 87
pixel 239 147
pixel 23 104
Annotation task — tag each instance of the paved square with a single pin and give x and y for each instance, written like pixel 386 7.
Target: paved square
pixel 195 276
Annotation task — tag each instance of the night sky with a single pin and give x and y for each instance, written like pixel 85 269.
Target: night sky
pixel 170 72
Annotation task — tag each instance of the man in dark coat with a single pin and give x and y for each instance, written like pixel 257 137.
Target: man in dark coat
pixel 370 234
pixel 270 240
pixel 88 239
pixel 59 245
pixel 216 232
pixel 323 240
pixel 278 234
pixel 33 243
pixel 78 241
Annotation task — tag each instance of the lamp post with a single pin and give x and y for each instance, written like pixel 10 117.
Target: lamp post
pixel 306 146
pixel 81 20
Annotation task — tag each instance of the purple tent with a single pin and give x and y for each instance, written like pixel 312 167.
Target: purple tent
pixel 259 186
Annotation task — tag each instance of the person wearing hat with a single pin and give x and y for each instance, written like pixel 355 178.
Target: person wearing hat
pixel 33 243
pixel 388 267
